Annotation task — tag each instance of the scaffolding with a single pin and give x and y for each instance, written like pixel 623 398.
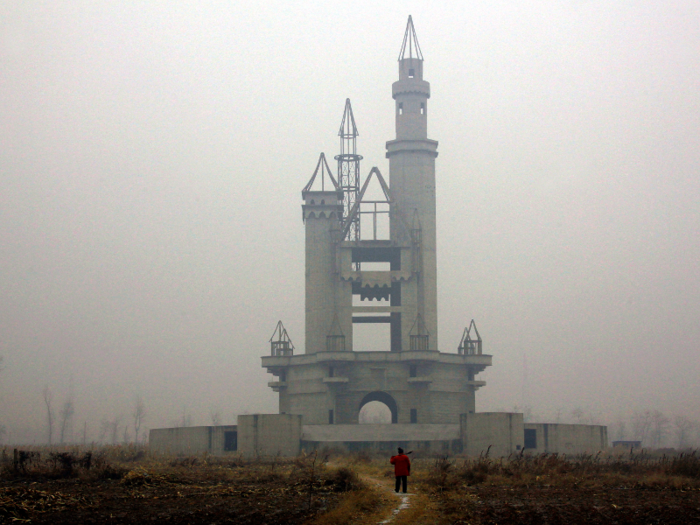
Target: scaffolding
pixel 349 172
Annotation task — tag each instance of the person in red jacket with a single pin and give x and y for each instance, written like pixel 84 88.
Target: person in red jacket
pixel 402 469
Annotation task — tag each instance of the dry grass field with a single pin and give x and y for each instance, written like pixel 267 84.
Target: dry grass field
pixel 125 484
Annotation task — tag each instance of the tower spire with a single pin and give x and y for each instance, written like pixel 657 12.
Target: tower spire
pixel 349 170
pixel 410 45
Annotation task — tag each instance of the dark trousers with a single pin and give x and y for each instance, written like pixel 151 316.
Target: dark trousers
pixel 401 480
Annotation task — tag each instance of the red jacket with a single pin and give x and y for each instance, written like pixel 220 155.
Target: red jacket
pixel 402 465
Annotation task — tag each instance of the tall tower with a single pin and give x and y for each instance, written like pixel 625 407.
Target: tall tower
pixel 412 176
pixel 322 213
pixel 349 170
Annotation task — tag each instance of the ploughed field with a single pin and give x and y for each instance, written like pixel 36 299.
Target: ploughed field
pixel 129 485
pixel 634 489
pixel 124 485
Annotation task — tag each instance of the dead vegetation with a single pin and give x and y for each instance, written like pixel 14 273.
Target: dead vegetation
pixel 110 484
pixel 550 488
pixel 130 485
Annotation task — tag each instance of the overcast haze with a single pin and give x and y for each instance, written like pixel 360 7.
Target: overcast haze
pixel 152 157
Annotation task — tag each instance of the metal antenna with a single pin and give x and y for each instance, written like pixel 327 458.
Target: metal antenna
pixel 349 172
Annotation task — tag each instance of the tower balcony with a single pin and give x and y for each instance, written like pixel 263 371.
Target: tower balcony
pixel 276 386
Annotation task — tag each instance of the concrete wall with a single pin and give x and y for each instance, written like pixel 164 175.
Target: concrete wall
pixel 269 435
pixel 191 440
pixel 440 392
pixel 502 431
pixel 567 439
pixel 436 439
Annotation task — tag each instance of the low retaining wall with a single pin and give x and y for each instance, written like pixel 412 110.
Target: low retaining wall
pixel 216 440
pixel 565 439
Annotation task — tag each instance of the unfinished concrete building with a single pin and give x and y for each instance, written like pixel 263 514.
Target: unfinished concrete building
pixel 355 275
pixel 371 258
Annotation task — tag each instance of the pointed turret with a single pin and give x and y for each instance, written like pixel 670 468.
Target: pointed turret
pixel 324 171
pixel 349 170
pixel 410 43
pixel 411 92
pixel 412 178
pixel 322 212
pixel 348 129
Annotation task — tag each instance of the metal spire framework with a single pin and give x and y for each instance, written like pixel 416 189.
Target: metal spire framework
pixel 410 45
pixel 349 172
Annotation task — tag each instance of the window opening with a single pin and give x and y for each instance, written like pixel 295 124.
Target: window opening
pixel 231 440
pixel 330 417
pixel 400 108
pixel 422 108
pixel 414 415
pixel 411 73
pixel 413 371
pixel 530 438
pixel 371 335
pixel 331 371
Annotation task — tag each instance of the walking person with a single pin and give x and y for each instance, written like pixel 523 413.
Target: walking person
pixel 402 469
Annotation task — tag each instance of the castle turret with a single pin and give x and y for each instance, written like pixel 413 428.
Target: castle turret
pixel 322 213
pixel 412 178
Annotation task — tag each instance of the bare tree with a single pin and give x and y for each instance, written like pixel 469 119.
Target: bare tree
pixel 620 429
pixel 682 429
pixel 558 414
pixel 659 427
pixel 104 430
pixel 110 429
pixel 138 415
pixel 48 399
pixel 126 436
pixel 184 421
pixel 641 425
pixel 114 429
pixel 215 416
pixel 66 415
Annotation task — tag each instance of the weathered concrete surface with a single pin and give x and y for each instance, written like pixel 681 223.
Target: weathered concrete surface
pixel 386 432
pixel 269 435
pixel 437 386
pixel 191 440
pixel 502 431
pixel 567 439
pixel 430 439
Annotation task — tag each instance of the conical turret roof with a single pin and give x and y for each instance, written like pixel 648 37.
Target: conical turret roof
pixel 410 47
pixel 348 129
pixel 324 171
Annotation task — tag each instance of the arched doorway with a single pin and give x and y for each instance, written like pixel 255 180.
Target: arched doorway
pixel 384 398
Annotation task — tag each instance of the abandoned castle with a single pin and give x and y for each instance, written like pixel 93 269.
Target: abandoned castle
pixel 357 272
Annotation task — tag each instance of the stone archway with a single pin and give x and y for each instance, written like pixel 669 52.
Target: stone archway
pixel 385 398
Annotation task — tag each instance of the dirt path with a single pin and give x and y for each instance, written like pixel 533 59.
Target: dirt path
pixel 399 501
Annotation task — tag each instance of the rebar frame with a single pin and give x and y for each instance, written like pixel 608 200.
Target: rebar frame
pixel 349 172
pixel 469 345
pixel 280 342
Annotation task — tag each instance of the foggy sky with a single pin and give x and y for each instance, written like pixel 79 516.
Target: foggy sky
pixel 152 156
